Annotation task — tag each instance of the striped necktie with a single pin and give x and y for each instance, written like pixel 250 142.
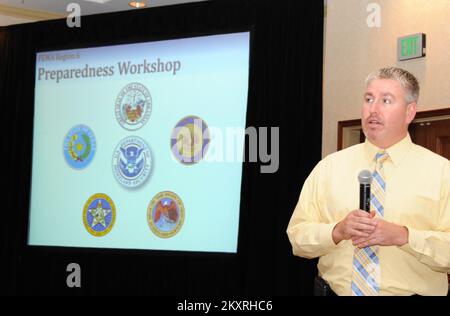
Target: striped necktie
pixel 366 267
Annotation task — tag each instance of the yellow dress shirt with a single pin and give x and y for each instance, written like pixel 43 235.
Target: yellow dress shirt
pixel 417 196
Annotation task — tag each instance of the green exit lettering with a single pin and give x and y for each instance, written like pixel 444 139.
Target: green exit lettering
pixel 409 46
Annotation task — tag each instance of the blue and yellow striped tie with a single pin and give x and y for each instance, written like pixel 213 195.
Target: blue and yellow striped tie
pixel 366 267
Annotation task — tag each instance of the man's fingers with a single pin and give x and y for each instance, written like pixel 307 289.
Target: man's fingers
pixel 366 221
pixel 362 224
pixel 365 227
pixel 366 243
pixel 359 233
pixel 362 217
pixel 360 213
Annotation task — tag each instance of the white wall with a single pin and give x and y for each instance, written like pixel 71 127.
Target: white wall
pixel 353 50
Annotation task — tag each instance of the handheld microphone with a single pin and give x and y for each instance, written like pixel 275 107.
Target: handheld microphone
pixel 365 179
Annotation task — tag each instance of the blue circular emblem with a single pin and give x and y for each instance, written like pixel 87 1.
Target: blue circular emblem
pixel 99 214
pixel 133 106
pixel 79 146
pixel 132 162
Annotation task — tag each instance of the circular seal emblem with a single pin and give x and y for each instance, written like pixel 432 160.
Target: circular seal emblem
pixel 79 146
pixel 133 106
pixel 190 140
pixel 131 162
pixel 165 214
pixel 99 215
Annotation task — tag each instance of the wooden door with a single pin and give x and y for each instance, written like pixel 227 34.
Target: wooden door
pixel 433 135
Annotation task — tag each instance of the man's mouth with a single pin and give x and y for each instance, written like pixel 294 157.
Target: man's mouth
pixel 374 122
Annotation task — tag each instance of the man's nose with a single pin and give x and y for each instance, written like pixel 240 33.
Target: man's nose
pixel 375 106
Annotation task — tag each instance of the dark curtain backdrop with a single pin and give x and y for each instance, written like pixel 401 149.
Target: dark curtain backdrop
pixel 285 91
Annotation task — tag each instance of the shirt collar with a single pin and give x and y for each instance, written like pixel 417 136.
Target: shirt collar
pixel 396 152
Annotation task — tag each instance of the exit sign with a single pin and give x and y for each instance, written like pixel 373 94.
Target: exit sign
pixel 411 46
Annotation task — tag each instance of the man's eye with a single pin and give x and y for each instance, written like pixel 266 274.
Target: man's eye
pixel 387 101
pixel 369 100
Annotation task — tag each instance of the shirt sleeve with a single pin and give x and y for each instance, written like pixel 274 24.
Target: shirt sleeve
pixel 310 237
pixel 432 247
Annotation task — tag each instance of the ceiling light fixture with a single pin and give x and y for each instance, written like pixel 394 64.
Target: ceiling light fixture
pixel 137 4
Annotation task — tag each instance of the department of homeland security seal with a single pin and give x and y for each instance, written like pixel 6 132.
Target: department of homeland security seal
pixel 79 146
pixel 190 140
pixel 131 162
pixel 165 214
pixel 133 106
pixel 99 214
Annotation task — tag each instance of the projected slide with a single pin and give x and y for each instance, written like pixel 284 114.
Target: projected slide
pixel 132 146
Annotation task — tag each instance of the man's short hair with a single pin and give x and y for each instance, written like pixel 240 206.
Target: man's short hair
pixel 405 78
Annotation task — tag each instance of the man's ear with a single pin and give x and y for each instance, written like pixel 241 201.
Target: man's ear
pixel 411 110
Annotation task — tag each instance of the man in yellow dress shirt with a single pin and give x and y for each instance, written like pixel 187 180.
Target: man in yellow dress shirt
pixel 413 235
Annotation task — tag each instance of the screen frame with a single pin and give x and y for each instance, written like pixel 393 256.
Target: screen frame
pixel 40 249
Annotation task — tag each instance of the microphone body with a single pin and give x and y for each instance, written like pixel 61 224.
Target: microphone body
pixel 364 197
pixel 365 180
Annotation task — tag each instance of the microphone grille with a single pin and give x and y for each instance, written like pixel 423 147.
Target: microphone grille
pixel 365 177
